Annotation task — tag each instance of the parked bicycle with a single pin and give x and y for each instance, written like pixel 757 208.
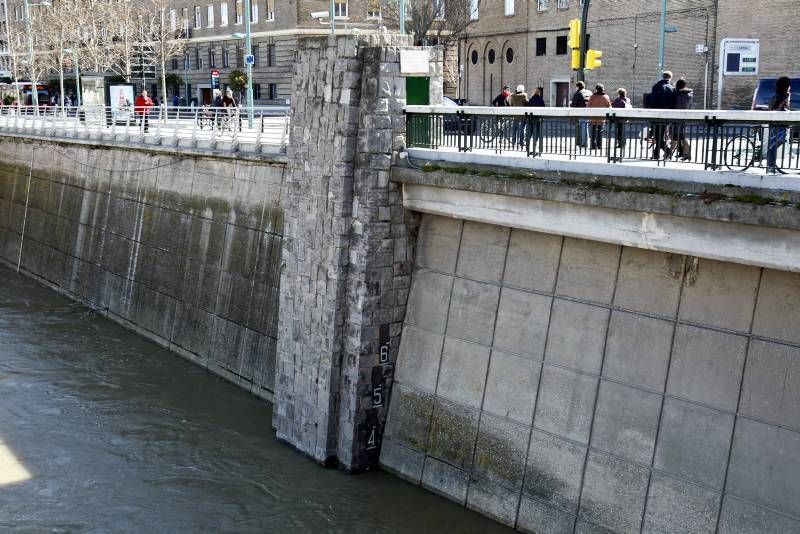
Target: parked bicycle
pixel 743 151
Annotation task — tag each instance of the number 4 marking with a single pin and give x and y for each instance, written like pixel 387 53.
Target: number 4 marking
pixel 371 441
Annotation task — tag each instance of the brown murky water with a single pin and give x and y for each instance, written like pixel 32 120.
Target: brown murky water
pixel 102 431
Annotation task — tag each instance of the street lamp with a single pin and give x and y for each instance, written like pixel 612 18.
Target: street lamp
pixel 34 89
pixel 77 74
pixel 249 53
pixel 661 34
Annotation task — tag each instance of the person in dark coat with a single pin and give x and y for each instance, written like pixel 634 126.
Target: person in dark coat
pixel 662 96
pixel 536 100
pixel 502 99
pixel 581 100
pixel 777 136
pixel 683 100
pixel 621 102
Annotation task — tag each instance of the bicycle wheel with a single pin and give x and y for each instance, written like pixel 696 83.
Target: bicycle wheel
pixel 488 129
pixel 740 153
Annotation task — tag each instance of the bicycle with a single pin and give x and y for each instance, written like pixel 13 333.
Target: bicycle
pixel 494 127
pixel 205 117
pixel 744 151
pixel 229 122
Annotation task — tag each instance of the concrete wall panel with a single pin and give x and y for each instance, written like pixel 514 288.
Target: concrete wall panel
pixel 593 389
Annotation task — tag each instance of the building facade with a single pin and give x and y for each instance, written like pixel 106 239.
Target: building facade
pixel 213 30
pixel 525 42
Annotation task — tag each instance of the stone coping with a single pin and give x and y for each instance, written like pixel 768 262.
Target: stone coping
pixel 745 205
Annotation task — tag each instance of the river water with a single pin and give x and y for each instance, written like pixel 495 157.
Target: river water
pixel 103 431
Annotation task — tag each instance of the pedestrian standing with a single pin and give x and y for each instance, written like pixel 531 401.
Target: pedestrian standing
pixel 519 99
pixel 502 99
pixel 581 100
pixel 683 100
pixel 621 102
pixel 662 96
pixel 142 108
pixel 536 101
pixel 777 135
pixel 599 99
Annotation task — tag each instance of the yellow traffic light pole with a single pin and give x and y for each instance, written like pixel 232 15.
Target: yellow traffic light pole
pixel 582 58
pixel 583 47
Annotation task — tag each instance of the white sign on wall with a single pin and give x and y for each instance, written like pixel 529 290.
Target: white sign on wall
pixel 414 62
pixel 739 57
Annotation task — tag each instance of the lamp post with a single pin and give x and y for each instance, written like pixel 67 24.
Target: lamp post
pixel 76 68
pixel 333 18
pixel 661 35
pixel 34 88
pixel 249 52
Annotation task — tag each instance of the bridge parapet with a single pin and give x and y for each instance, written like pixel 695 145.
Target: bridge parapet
pixel 727 142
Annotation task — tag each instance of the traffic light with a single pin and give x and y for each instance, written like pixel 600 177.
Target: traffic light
pixel 593 59
pixel 574 39
pixel 576 59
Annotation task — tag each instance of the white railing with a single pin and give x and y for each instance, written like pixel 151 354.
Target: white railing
pixel 200 128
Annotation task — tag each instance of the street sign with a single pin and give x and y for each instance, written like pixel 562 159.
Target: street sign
pixel 215 79
pixel 740 57
pixel 250 59
pixel 215 74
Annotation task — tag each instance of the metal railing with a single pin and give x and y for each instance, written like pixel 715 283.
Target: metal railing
pixel 202 128
pixel 724 140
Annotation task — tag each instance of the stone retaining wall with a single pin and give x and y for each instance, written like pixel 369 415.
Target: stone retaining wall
pixel 184 250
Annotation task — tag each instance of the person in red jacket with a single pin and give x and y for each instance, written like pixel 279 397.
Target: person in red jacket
pixel 142 108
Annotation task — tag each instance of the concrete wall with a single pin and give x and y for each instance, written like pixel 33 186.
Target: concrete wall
pixel 565 385
pixel 183 250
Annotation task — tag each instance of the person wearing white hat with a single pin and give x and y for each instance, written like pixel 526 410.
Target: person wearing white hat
pixel 519 99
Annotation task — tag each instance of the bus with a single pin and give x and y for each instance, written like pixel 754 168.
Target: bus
pixel 26 94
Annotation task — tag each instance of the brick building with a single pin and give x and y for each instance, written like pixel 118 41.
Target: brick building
pixel 275 28
pixel 531 47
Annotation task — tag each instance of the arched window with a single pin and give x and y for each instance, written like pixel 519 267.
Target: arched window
pixel 474 57
pixel 509 54
pixel 490 56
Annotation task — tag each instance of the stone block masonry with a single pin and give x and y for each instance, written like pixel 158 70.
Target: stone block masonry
pixel 183 250
pixel 347 248
pixel 564 385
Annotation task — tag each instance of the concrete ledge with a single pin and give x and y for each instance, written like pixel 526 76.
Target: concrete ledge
pixel 724 241
pixel 599 167
pixel 270 154
pixel 746 205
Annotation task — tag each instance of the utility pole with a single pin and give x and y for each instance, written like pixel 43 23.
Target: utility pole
pixel 661 33
pixel 584 47
pixel 249 46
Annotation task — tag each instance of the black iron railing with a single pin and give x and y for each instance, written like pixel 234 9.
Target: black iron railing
pixel 727 140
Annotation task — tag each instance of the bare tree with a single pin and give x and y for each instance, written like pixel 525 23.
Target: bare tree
pixel 57 31
pixel 440 22
pixel 160 39
pixel 106 32
pixel 25 64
